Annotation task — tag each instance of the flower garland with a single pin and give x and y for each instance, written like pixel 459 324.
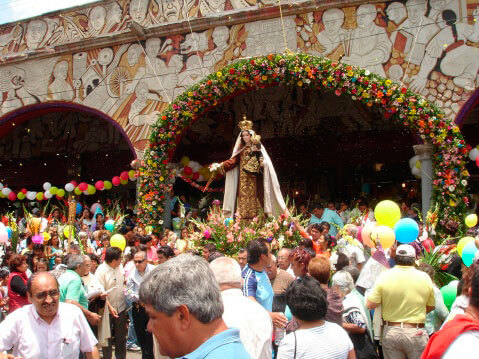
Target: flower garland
pixel 396 102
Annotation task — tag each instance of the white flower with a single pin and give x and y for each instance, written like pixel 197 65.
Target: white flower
pixel 285 223
pixel 452 188
pixel 281 239
pixel 464 182
pixel 367 73
pixel 214 167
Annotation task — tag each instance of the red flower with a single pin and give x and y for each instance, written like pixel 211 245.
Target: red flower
pixel 232 71
pixel 403 90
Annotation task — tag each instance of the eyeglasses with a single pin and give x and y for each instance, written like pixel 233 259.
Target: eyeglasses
pixel 139 262
pixel 43 295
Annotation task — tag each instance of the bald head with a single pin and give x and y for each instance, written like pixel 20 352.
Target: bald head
pixel 40 279
pixel 43 293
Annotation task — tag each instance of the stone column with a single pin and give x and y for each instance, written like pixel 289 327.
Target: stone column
pixel 424 152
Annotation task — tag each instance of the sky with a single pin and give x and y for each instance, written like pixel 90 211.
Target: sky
pixel 13 10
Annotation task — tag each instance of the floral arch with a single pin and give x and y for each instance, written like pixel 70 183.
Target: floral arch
pixel 397 103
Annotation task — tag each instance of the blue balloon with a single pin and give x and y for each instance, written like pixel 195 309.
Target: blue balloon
pixel 78 208
pixel 9 232
pixel 468 254
pixel 406 230
pixel 228 221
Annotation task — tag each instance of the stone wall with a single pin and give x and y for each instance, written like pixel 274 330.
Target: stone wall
pixel 112 56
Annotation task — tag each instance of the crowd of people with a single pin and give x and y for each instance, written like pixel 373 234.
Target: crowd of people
pixel 328 297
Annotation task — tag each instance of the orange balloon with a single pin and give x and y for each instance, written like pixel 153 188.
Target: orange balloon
pixel 366 234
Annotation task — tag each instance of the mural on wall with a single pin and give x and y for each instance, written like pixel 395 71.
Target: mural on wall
pixel 432 48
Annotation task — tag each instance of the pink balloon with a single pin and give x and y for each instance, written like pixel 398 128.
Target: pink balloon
pixel 12 196
pixel 83 186
pixel 124 175
pixel 99 185
pixel 360 231
pixel 116 181
pixel 74 183
pixel 37 239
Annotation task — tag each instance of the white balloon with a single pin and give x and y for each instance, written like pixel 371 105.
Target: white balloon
pixel 416 171
pixel 413 160
pixel 31 195
pixel 195 166
pixel 6 191
pixel 47 186
pixel 473 154
pixel 48 194
pixel 86 193
pixel 69 187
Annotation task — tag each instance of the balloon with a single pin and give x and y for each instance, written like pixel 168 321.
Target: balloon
pixel 124 175
pixel 462 243
pixel 123 182
pixel 196 176
pixel 185 160
pixel 406 230
pixel 94 206
pixel 78 191
pixel 366 234
pixel 110 225
pixel 54 190
pixel 78 208
pixel 6 191
pixel 387 213
pixel 21 196
pixel 468 254
pixel 60 193
pixel 187 170
pixel 31 196
pixel 2 195
pixel 108 185
pixel 449 293
pixel 385 235
pixel 69 187
pixel 83 186
pixel 66 231
pixel 132 174
pixel 39 196
pixel 473 154
pixel 359 235
pixel 24 191
pixel 1 187
pixel 119 241
pixel 416 172
pixel 99 185
pixel 37 239
pixel 46 236
pixel 91 189
pixel 47 186
pixel 471 220
pixel 9 232
pixel 116 181
pixel 12 196
pixel 477 161
pixel 74 183
pixel 3 236
pixel 48 194
pixel 229 222
pixel 195 166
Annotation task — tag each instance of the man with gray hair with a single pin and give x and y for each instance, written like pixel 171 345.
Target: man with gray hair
pixel 252 320
pixel 183 302
pixel 71 286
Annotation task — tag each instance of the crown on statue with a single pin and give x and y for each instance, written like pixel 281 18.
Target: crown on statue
pixel 245 124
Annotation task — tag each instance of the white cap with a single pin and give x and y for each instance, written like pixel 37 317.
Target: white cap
pixel 406 250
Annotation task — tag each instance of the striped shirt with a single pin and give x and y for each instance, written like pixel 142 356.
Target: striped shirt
pixel 328 341
pixel 257 285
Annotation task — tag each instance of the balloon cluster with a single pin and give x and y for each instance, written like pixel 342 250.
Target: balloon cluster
pixel 389 227
pixel 474 155
pixel 78 188
pixel 193 170
pixel 467 249
pixel 415 165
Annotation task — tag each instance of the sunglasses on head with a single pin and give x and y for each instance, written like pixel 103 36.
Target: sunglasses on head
pixel 43 295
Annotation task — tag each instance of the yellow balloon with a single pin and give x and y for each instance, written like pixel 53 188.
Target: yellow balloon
pixel 471 220
pixel 118 241
pixel 91 189
pixel 78 191
pixel 123 182
pixel 366 234
pixel 384 235
pixel 185 160
pixel 67 229
pixel 462 243
pixel 418 165
pixel 46 236
pixel 39 196
pixel 387 213
pixel 107 184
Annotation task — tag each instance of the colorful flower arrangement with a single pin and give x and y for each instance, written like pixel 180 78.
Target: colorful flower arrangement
pixel 230 235
pixel 395 101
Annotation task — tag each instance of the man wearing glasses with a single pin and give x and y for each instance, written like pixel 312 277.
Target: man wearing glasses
pixel 140 318
pixel 47 329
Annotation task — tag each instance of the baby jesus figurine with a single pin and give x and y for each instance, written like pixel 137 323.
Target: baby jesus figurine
pixel 254 160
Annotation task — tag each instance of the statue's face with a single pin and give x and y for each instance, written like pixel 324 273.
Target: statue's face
pixel 364 17
pixel 36 31
pixel 332 23
pixel 61 70
pixel 415 12
pixel 171 9
pixel 138 9
pixel 97 18
pixel 246 136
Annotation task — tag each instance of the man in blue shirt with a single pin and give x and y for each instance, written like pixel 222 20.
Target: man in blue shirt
pixel 183 302
pixel 321 214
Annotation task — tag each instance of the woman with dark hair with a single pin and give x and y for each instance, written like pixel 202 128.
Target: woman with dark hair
pixel 99 222
pixel 53 249
pixel 299 261
pixel 17 282
pixel 316 337
pixel 164 253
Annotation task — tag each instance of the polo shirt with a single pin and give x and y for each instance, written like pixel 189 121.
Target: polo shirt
pixel 403 293
pixel 257 285
pixel 71 288
pixel 223 345
pixel 332 218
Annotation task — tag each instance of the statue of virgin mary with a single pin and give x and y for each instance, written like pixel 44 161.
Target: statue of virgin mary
pixel 247 193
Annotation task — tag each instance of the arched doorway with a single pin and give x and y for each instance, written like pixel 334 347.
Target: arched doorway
pixel 395 103
pixel 60 142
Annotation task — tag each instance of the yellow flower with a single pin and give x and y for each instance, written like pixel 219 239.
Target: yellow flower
pixel 350 73
pixel 162 178
pixel 300 83
pixel 455 129
pixel 219 74
pixel 388 82
pixel 264 77
pixel 452 203
pixel 307 69
pixel 190 94
pixel 400 99
pixel 330 78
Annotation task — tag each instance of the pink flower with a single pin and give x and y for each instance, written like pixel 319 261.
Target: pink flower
pixel 207 234
pixel 229 238
pixel 255 220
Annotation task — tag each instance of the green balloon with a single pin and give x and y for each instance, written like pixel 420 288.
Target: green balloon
pixel 449 293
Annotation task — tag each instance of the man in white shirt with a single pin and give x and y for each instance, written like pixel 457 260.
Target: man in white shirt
pixel 47 329
pixel 252 320
pixel 111 277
